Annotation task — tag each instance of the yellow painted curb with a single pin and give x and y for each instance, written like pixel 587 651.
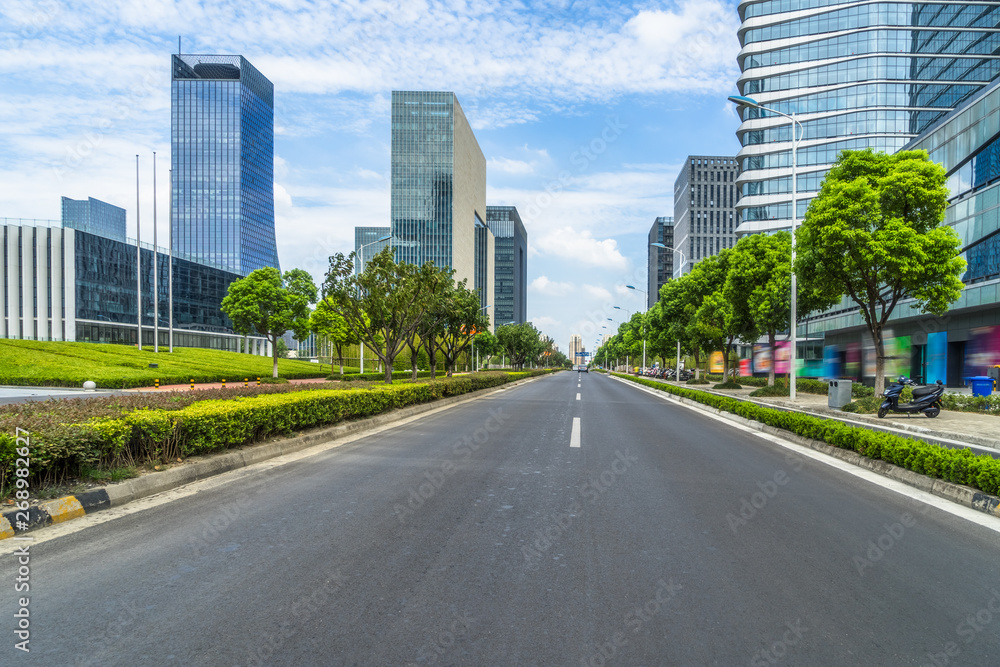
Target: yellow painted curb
pixel 63 509
pixel 6 530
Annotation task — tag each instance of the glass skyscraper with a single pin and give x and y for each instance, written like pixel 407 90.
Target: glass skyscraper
pixel 705 198
pixel 94 216
pixel 222 138
pixel 856 76
pixel 510 264
pixel 438 182
pixel 660 264
pixel 367 244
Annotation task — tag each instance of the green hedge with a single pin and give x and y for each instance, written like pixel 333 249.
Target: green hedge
pixel 960 466
pixel 380 376
pixel 146 435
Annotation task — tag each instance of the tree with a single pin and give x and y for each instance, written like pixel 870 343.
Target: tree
pixel 330 325
pixel 873 233
pixel 427 332
pixel 486 345
pixel 759 286
pixel 269 304
pixel 520 342
pixel 714 324
pixel 463 319
pixel 383 304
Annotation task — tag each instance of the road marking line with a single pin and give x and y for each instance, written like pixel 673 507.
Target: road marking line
pixel 574 438
pixel 953 508
pixel 578 396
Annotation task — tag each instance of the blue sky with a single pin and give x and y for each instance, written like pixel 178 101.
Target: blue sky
pixel 584 110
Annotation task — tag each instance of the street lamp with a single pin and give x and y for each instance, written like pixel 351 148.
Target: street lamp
pixel 361 269
pixel 740 100
pixel 643 326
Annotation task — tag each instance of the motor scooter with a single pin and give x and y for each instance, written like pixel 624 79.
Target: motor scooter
pixel 926 398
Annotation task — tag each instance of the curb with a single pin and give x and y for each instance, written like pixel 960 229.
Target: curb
pixel 962 495
pixel 115 495
pixel 976 444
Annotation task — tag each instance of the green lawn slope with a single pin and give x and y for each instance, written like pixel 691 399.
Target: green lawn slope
pixel 49 364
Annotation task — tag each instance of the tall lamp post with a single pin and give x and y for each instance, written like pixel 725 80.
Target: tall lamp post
pixel 361 269
pixel 677 367
pixel 798 132
pixel 645 294
pixel 628 318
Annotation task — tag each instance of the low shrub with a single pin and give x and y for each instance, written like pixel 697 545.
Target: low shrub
pixel 859 390
pixel 955 465
pixel 868 405
pixel 777 390
pixel 272 380
pixel 697 381
pixel 728 385
pixel 380 376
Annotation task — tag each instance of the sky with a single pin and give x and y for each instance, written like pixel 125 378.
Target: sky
pixel 585 112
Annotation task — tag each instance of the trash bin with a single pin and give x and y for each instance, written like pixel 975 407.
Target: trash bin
pixel 838 394
pixel 982 385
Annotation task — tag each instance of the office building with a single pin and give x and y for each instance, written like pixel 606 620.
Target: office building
pixel 59 283
pixel 966 341
pixel 484 284
pixel 705 197
pixel 510 264
pixel 856 76
pixel 368 242
pixel 438 186
pixel 95 217
pixel 576 354
pixel 660 265
pixel 222 141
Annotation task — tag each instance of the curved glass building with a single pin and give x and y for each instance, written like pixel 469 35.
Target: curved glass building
pixel 856 75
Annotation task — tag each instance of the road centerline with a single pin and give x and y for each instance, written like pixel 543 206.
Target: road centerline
pixel 574 438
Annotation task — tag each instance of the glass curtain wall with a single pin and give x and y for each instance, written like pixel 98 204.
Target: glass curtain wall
pixel 865 76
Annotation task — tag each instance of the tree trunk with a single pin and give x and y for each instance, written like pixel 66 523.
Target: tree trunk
pixel 274 357
pixel 879 362
pixel 340 359
pixel 388 371
pixel 432 358
pixel 774 358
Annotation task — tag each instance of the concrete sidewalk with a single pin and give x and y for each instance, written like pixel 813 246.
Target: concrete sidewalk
pixel 950 428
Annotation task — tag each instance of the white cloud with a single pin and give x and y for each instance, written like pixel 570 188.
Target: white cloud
pixel 509 166
pixel 599 293
pixel 582 247
pixel 543 285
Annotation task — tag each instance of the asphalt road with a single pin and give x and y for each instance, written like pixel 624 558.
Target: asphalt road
pixel 481 536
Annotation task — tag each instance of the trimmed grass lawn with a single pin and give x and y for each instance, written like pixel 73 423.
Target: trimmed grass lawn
pixel 50 364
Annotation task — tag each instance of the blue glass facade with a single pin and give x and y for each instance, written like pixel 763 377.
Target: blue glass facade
pixel 510 292
pixel 222 136
pixel 367 244
pixel 94 216
pixel 660 264
pixel 106 280
pixel 423 170
pixel 868 75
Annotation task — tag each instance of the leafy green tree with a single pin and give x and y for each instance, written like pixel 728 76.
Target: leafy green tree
pixel 520 342
pixel 383 305
pixel 759 286
pixel 714 325
pixel 330 326
pixel 463 319
pixel 270 304
pixel 426 335
pixel 486 345
pixel 873 233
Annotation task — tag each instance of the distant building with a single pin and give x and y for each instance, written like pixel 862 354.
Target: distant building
pixel 485 254
pixel 438 189
pixel 660 266
pixel 62 284
pixel 705 199
pixel 577 353
pixel 94 216
pixel 511 264
pixel 368 242
pixel 222 141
